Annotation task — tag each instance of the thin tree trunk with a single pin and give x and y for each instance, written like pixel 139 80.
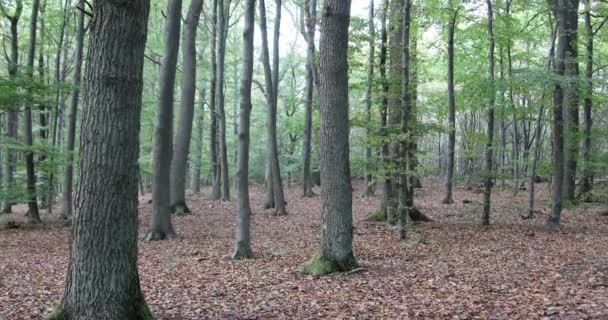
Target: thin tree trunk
pixel 219 100
pixel 160 223
pixel 216 189
pixel 33 214
pixel 587 178
pixel 242 247
pixel 309 33
pixel 405 114
pixel 102 280
pixel 12 119
pixel 369 188
pixel 387 193
pixel 336 249
pixel 66 212
pixel 413 123
pixel 195 178
pixel 449 184
pixel 487 195
pixel 184 130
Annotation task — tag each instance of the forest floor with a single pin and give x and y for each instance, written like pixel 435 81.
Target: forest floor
pixel 452 268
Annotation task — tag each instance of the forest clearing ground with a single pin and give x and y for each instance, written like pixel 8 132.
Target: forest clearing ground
pixel 452 268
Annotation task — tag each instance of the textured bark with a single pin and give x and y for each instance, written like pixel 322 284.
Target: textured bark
pixel 309 34
pixel 184 131
pixel 539 127
pixel 195 178
pixel 488 179
pixel 242 247
pixel 587 178
pixel 32 216
pixel 387 193
pixel 271 91
pixel 337 225
pixel 369 188
pixel 102 281
pixel 219 100
pixel 570 104
pixel 66 210
pixel 160 223
pixel 216 188
pixel 566 13
pixel 12 119
pixel 414 179
pixel 449 183
pixel 406 101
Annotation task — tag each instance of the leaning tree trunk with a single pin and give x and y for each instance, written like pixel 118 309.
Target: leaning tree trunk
pixel 449 183
pixel 160 223
pixel 102 282
pixel 273 157
pixel 12 119
pixel 309 33
pixel 33 215
pixel 66 211
pixel 587 179
pixel 405 114
pixel 184 131
pixel 488 179
pixel 219 100
pixel 336 249
pixel 216 189
pixel 369 188
pixel 242 247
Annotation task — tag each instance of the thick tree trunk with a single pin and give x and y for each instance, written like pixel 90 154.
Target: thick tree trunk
pixel 12 119
pixel 160 223
pixel 184 130
pixel 488 179
pixel 242 247
pixel 66 211
pixel 449 183
pixel 102 281
pixel 369 188
pixel 406 101
pixel 271 91
pixel 336 249
pixel 32 216
pixel 587 178
pixel 219 100
pixel 309 33
pixel 216 188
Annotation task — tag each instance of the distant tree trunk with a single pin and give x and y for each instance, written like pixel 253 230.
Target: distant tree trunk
pixel 539 127
pixel 32 203
pixel 12 119
pixel 566 13
pixel 570 106
pixel 336 250
pixel 369 188
pixel 406 101
pixel 394 103
pixel 587 179
pixel 516 173
pixel 195 178
pixel 488 179
pixel 413 123
pixel 219 99
pixel 44 114
pixel 503 125
pixel 66 212
pixel 160 223
pixel 104 236
pixel 309 33
pixel 449 184
pixel 216 189
pixel 184 130
pixel 270 77
pixel 242 248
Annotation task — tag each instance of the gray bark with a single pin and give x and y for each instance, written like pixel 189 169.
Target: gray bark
pixel 184 130
pixel 216 189
pixel 160 223
pixel 488 179
pixel 449 183
pixel 66 211
pixel 219 99
pixel 516 172
pixel 369 188
pixel 243 239
pixel 308 31
pixel 387 193
pixel 195 178
pixel 404 206
pixel 102 282
pixel 587 178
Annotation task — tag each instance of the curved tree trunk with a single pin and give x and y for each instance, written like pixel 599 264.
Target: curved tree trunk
pixel 184 130
pixel 242 247
pixel 160 224
pixel 66 211
pixel 102 282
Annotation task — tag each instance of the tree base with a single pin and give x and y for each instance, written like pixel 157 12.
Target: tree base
pixel 417 216
pixel 242 253
pixel 320 266
pixel 142 311
pixel 379 215
pixel 552 224
pixel 447 201
pixel 157 235
pixel 180 209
